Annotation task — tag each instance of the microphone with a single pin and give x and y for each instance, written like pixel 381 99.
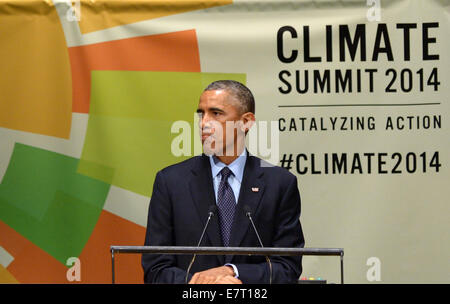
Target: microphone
pixel 249 215
pixel 211 212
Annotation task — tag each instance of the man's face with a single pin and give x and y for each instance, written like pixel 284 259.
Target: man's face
pixel 215 109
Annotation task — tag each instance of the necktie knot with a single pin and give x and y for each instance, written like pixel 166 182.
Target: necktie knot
pixel 226 172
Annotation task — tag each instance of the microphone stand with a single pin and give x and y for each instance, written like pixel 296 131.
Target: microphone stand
pixel 210 215
pixel 249 215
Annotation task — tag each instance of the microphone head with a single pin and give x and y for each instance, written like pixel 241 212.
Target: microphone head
pixel 212 209
pixel 247 210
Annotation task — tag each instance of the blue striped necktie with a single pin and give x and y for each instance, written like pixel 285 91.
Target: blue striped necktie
pixel 226 204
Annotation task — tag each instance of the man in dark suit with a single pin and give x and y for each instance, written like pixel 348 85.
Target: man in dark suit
pixel 227 176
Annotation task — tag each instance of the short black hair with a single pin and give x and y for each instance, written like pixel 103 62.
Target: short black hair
pixel 240 92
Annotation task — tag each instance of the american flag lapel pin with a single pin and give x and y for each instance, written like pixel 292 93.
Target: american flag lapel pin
pixel 255 189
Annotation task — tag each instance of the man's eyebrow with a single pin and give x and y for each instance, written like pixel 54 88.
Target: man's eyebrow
pixel 211 109
pixel 216 110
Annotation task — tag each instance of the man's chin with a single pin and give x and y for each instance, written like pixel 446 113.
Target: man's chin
pixel 208 148
pixel 208 153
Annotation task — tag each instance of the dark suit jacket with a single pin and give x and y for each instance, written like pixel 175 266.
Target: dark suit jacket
pixel 182 194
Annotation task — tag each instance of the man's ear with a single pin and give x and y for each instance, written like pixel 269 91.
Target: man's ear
pixel 248 119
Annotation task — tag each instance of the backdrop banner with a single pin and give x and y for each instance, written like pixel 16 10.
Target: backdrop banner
pixel 351 97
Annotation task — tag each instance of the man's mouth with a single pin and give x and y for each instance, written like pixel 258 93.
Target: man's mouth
pixel 206 135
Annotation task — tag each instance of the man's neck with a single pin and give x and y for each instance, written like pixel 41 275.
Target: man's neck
pixel 228 159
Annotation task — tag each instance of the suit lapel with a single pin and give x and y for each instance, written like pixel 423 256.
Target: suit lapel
pixel 202 192
pixel 252 189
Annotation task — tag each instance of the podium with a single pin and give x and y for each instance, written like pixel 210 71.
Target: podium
pixel 266 251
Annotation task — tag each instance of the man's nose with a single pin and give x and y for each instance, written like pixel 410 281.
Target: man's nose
pixel 205 121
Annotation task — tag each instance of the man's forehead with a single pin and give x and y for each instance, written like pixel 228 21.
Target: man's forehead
pixel 216 92
pixel 214 95
pixel 218 96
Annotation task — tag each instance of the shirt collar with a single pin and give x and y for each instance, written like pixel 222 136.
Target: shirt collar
pixel 237 166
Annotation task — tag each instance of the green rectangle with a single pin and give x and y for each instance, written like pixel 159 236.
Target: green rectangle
pixel 44 199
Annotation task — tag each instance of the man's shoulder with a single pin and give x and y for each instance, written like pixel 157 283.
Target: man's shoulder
pixel 272 171
pixel 183 166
